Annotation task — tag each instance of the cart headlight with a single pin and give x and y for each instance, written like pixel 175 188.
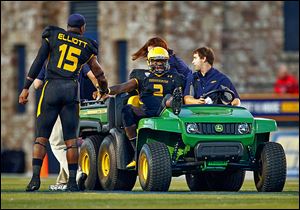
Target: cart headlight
pixel 192 128
pixel 243 128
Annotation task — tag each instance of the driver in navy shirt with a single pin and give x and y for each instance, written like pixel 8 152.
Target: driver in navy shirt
pixel 205 79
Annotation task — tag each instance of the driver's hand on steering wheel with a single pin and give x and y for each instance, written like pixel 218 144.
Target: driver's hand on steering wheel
pixel 201 100
pixel 206 100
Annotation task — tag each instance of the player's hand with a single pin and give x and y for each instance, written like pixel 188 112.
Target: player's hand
pixel 96 95
pixel 103 97
pixel 23 96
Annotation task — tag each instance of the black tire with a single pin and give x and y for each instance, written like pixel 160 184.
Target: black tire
pixel 196 182
pixel 234 181
pixel 228 180
pixel 271 173
pixel 154 167
pixel 110 177
pixel 88 161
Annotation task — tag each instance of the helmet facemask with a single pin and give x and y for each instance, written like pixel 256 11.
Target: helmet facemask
pixel 159 66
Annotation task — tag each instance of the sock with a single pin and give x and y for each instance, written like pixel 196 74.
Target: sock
pixel 36 167
pixel 72 172
pixel 133 143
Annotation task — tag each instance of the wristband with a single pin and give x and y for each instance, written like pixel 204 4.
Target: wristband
pixel 106 91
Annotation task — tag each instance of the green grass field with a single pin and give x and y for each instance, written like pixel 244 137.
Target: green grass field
pixel 14 196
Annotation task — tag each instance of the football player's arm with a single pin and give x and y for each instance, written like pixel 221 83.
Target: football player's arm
pixel 128 86
pixel 37 64
pixel 34 71
pixel 39 81
pixel 99 74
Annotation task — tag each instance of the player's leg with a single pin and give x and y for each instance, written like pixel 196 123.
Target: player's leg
pixel 70 119
pixel 130 116
pixel 166 102
pixel 174 101
pixel 46 118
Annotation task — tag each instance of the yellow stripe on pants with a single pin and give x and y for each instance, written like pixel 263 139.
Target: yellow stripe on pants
pixel 41 99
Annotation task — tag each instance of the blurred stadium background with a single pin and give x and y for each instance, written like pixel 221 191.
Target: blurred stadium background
pixel 250 39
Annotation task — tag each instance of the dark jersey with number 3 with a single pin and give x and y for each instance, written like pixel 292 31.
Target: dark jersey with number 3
pixel 153 88
pixel 68 52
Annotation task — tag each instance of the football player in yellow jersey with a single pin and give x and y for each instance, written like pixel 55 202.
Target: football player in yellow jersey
pixel 155 87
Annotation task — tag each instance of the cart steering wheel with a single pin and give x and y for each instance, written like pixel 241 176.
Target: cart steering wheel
pixel 220 96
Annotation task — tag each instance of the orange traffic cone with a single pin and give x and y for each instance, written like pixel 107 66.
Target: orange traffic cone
pixel 44 169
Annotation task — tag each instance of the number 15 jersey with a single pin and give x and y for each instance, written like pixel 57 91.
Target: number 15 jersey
pixel 68 52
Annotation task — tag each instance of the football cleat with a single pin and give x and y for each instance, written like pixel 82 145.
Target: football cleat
pixel 177 101
pixel 58 187
pixel 72 186
pixel 132 164
pixel 34 184
pixel 81 181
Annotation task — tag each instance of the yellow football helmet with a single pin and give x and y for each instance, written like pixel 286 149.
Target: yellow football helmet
pixel 158 60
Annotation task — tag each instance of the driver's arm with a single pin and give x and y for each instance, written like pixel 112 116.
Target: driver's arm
pixel 188 99
pixel 128 86
pixel 236 102
pixel 227 83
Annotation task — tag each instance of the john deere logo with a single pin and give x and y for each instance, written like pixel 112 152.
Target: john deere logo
pixel 219 128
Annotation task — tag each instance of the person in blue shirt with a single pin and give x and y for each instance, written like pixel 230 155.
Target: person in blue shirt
pixel 176 63
pixel 206 78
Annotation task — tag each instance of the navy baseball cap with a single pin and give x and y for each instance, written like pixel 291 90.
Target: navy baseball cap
pixel 76 20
